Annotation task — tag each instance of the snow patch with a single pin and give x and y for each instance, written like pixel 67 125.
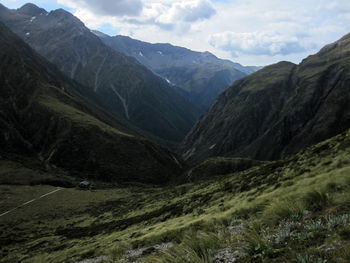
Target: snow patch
pixel 124 102
pixel 212 147
pixel 176 160
pixel 140 54
pixel 97 74
pixel 160 53
pixel 27 34
pixel 33 18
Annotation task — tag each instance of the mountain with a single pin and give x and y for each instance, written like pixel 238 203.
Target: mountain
pixel 45 117
pixel 200 75
pixel 119 84
pixel 278 110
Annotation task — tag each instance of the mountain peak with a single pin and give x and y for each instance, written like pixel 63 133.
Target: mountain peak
pixel 62 13
pixel 31 9
pixel 64 16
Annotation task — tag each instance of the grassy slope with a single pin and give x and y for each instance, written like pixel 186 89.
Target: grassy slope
pixel 73 224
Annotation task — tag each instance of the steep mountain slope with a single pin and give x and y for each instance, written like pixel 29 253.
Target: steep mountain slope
pixel 279 109
pixel 119 83
pixel 44 117
pixel 201 75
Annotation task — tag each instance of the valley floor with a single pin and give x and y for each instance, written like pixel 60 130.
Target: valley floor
pixel 294 210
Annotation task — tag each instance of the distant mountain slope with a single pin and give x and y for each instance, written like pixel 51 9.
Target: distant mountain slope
pixel 119 83
pixel 200 74
pixel 279 109
pixel 43 116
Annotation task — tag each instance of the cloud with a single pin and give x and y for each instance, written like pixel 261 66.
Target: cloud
pixel 167 15
pixel 257 43
pixel 339 6
pixel 174 15
pixel 187 11
pixel 106 7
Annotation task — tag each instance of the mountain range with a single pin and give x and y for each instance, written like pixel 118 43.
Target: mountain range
pixel 272 113
pixel 200 76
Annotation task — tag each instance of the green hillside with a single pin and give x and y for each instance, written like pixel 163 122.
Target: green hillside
pixel 294 210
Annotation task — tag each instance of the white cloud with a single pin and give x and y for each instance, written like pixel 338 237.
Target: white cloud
pixel 187 11
pixel 257 43
pixel 167 15
pixel 106 7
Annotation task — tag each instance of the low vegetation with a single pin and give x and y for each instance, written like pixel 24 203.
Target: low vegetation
pixel 294 210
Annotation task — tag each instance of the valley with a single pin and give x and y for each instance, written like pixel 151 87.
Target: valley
pixel 116 150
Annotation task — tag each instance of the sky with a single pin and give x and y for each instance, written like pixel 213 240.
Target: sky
pixel 250 32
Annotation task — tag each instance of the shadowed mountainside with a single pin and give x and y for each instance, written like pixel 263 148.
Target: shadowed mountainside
pixel 44 116
pixel 278 110
pixel 119 84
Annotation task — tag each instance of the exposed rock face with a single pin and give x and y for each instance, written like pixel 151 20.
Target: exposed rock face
pixel 43 115
pixel 278 110
pixel 200 76
pixel 118 83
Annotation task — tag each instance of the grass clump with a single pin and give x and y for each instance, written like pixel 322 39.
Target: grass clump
pixel 280 210
pixel 317 200
pixel 256 244
pixel 196 247
pixel 117 252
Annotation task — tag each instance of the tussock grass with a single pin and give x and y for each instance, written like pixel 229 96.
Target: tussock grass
pixel 317 200
pixel 283 209
pixel 196 247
